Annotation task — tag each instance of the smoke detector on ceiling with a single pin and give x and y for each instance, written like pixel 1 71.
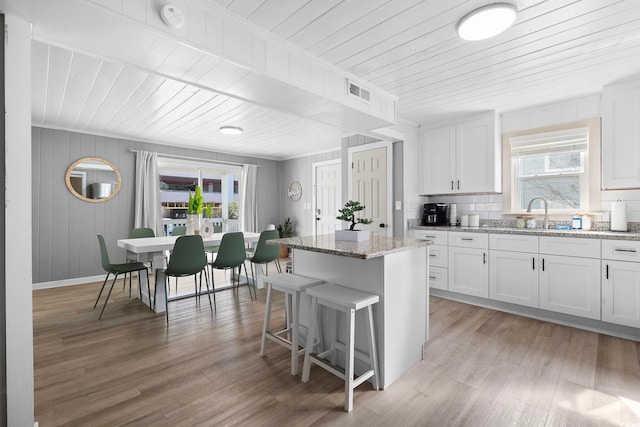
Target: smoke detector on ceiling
pixel 172 17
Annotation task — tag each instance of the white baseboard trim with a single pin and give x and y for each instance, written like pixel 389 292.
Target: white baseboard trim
pixel 68 282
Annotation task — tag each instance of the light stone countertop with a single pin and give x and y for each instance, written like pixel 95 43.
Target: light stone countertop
pixel 376 246
pixel 595 234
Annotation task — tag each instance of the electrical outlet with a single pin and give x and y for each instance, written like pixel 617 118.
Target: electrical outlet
pixel 398 205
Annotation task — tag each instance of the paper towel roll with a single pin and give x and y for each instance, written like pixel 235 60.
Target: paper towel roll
pixel 619 216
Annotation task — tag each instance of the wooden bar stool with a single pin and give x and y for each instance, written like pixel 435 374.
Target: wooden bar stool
pixel 347 301
pixel 293 286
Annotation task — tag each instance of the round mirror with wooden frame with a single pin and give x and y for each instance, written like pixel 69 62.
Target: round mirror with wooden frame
pixel 93 179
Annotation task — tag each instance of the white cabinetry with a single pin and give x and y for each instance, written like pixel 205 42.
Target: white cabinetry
pixel 514 269
pixel 570 284
pixel 438 256
pixel 621 135
pixel 469 263
pixel 621 282
pixel 461 158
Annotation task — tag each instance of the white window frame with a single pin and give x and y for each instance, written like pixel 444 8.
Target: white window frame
pixel 201 168
pixel 590 184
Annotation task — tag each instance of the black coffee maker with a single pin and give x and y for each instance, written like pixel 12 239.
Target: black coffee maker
pixel 434 214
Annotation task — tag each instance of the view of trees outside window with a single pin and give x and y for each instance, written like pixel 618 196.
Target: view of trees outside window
pixel 556 177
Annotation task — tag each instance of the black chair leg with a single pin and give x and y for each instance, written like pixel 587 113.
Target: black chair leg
pixel 148 287
pixel 166 284
pixel 108 295
pixel 206 278
pixel 249 285
pixel 213 289
pixel 101 289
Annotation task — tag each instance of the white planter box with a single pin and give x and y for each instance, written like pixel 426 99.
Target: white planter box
pixel 353 236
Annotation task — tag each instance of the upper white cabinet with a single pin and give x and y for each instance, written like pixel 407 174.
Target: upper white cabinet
pixel 621 135
pixel 461 158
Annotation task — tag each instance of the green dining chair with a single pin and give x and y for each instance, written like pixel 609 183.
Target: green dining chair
pixel 116 270
pixel 179 230
pixel 264 254
pixel 138 233
pixel 231 254
pixel 187 259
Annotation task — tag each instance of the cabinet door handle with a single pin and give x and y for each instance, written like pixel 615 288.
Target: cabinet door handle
pixel 430 237
pixel 533 263
pixel 484 257
pixel 458 184
pixel 607 274
pixel 432 255
pixel 542 264
pixel 633 251
pixel 432 277
pixel 467 239
pixel 452 184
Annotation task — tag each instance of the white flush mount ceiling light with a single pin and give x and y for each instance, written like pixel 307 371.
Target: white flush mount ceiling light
pixel 230 130
pixel 172 17
pixel 487 21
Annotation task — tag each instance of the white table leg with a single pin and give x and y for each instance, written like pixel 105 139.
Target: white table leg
pixel 259 277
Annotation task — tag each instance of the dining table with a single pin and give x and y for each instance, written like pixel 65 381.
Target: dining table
pixel 153 249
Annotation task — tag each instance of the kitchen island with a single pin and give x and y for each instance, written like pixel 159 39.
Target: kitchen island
pixel 395 269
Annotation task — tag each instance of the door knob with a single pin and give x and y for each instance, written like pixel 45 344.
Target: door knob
pixel 382 225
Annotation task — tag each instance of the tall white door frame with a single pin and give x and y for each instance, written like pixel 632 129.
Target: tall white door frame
pixel 314 206
pixel 372 146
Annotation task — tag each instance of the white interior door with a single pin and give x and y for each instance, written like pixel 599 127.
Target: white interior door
pixel 328 196
pixel 370 175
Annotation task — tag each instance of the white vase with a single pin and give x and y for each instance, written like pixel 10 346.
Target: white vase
pixel 193 224
pixel 353 235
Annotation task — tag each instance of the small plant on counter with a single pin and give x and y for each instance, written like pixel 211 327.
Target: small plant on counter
pixel 196 201
pixel 285 229
pixel 348 214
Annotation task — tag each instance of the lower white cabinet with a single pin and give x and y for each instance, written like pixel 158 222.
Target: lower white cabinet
pixel 513 271
pixel 621 282
pixel 513 277
pixel 438 275
pixel 570 285
pixel 469 263
pixel 438 278
pixel 621 292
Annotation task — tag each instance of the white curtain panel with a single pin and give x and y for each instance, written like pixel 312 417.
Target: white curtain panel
pixel 148 212
pixel 249 205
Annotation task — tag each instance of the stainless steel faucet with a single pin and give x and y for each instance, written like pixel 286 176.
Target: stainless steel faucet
pixel 545 223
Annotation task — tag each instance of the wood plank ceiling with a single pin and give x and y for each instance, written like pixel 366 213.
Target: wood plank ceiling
pixel 557 49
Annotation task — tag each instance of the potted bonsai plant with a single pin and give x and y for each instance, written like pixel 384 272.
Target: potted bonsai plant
pixel 195 208
pixel 285 229
pixel 348 214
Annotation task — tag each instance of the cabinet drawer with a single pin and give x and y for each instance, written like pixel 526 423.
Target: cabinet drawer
pixel 438 237
pixel 469 240
pixel 621 250
pixel 438 278
pixel 438 256
pixel 570 246
pixel 513 242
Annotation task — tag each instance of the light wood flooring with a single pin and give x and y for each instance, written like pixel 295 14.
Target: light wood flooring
pixel 481 368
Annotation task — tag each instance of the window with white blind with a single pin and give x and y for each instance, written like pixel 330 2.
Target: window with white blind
pixel 555 164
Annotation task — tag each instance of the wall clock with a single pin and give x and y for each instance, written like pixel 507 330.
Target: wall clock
pixel 295 191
